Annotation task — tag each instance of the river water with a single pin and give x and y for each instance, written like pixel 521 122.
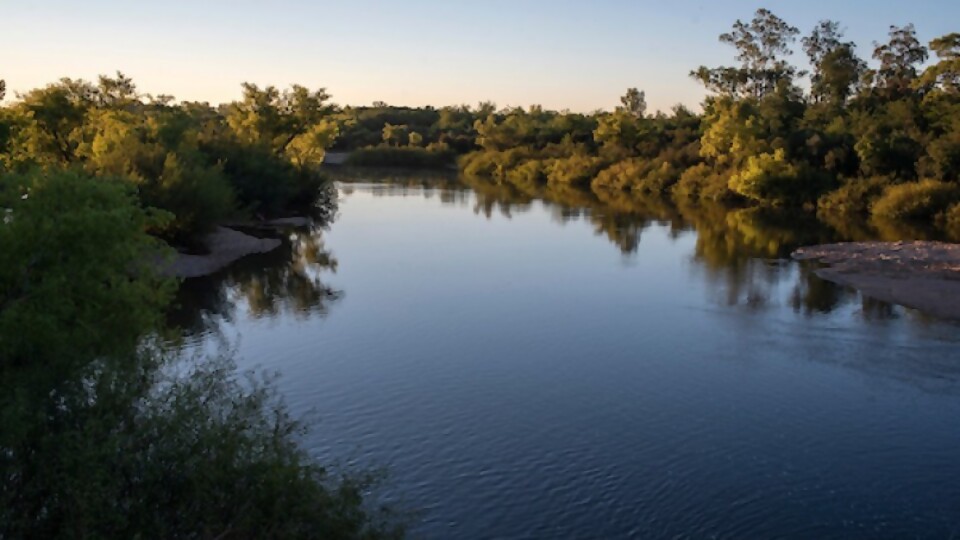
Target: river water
pixel 530 364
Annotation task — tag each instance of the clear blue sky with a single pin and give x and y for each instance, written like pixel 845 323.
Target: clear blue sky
pixel 579 55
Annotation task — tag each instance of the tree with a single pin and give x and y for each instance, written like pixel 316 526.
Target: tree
pixel 836 67
pixel 394 135
pixel 415 139
pixel 53 115
pixel 899 60
pixel 619 129
pixel 634 102
pixel 944 76
pixel 761 47
pixel 101 437
pixel 274 118
pixel 116 93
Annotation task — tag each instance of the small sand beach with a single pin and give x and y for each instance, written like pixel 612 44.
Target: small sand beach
pixel 920 275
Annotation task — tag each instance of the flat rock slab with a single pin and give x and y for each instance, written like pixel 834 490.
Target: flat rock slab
pixel 920 275
pixel 225 246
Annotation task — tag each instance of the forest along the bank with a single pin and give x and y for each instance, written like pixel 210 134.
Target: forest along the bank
pixel 108 431
pixel 98 181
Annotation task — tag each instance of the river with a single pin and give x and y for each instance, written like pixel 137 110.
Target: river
pixel 531 365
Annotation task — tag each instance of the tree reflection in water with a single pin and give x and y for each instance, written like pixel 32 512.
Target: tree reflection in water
pixel 288 280
pixel 743 253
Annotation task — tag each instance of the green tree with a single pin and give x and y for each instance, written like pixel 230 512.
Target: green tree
pixel 634 102
pixel 943 76
pixel 836 67
pixel 394 135
pixel 899 61
pixel 762 45
pixel 105 434
pixel 415 139
pixel 619 129
pixel 69 236
pixel 272 118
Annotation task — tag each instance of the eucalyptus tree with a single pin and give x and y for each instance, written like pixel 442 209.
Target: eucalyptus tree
pixel 899 59
pixel 943 76
pixel 634 102
pixel 762 47
pixel 837 69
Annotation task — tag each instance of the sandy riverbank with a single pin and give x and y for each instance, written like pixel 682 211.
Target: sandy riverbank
pixel 920 275
pixel 225 246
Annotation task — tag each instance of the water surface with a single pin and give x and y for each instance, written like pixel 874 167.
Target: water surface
pixel 557 365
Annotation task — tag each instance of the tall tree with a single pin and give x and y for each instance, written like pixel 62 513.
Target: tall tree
pixel 634 102
pixel 836 67
pixel 274 118
pixel 762 45
pixel 945 74
pixel 899 60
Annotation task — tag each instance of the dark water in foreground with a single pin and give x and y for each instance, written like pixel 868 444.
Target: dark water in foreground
pixel 601 369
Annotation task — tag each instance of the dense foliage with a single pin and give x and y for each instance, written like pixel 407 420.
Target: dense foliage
pixel 105 433
pixel 860 131
pixel 202 164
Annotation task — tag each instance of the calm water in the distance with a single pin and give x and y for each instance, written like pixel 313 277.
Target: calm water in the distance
pixel 528 369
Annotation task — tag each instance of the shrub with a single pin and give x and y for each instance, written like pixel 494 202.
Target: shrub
pixel 660 178
pixel 198 197
pixel 855 196
pixel 771 178
pixel 104 434
pixel 916 200
pixel 494 164
pixel 703 182
pixel 408 156
pixel 576 170
pixel 530 172
pixel 620 175
pixel 263 183
pixel 479 164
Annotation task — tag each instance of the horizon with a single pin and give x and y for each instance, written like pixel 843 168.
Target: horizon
pixel 418 54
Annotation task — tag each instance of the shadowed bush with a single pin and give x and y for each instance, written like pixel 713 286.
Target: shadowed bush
pixel 107 435
pixel 916 200
pixel 855 196
pixel 403 156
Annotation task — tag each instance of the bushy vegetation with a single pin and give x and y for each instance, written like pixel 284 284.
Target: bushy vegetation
pixel 201 164
pixel 855 196
pixel 917 200
pixel 106 434
pixel 401 156
pixel 761 139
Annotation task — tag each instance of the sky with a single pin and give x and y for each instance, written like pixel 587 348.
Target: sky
pixel 578 55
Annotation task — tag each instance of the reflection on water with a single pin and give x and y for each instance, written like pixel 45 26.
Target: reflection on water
pixel 741 252
pixel 538 361
pixel 287 281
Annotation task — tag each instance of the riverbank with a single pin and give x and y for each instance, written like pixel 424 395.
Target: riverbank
pixel 920 275
pixel 227 245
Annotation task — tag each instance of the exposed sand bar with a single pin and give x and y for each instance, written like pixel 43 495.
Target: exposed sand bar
pixel 225 247
pixel 920 275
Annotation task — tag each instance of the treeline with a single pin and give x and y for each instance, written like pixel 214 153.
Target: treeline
pixel 881 138
pixel 199 163
pixel 384 135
